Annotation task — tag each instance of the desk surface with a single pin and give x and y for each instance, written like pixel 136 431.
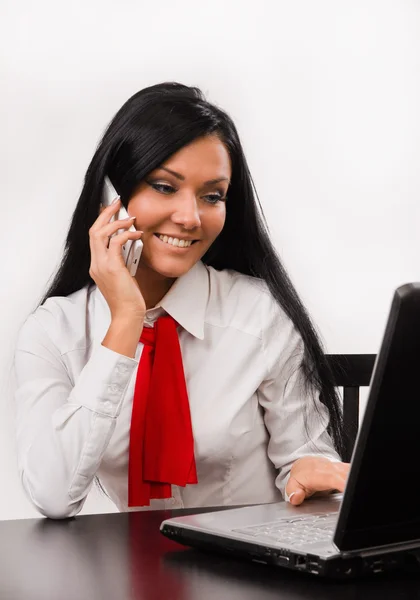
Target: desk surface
pixel 125 557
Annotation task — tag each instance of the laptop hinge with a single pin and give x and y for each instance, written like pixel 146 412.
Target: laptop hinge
pixel 415 544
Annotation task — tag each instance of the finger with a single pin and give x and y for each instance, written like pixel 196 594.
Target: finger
pixel 111 228
pixel 106 214
pixel 297 497
pixel 338 483
pixel 119 240
pixel 100 238
pixel 296 491
pixel 338 476
pixel 327 476
pixel 98 242
pixel 342 467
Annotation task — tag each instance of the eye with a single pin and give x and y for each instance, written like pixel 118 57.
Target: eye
pixel 162 188
pixel 167 189
pixel 214 198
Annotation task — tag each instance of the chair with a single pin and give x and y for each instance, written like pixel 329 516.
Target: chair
pixel 351 372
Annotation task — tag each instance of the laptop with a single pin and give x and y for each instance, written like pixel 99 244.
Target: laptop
pixel 375 525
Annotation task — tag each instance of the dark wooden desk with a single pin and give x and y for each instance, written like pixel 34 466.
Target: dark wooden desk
pixel 124 557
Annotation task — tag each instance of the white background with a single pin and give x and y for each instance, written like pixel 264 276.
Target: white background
pixel 325 95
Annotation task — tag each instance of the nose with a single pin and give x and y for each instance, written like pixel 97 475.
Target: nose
pixel 187 213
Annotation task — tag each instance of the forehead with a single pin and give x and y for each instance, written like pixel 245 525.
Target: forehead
pixel 206 158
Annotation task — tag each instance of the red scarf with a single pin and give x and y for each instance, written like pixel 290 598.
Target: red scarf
pixel 161 438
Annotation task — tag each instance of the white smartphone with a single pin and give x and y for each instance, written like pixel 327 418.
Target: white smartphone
pixel 132 249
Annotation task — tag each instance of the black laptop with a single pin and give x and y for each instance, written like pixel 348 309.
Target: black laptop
pixel 375 525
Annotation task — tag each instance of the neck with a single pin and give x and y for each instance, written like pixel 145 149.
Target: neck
pixel 153 286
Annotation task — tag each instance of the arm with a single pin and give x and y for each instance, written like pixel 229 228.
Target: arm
pixel 294 416
pixel 63 429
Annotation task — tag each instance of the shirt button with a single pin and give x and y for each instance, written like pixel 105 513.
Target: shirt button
pixel 113 388
pixel 107 405
pixel 122 369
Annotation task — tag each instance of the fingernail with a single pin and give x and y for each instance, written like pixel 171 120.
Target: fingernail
pixel 116 200
pixel 130 218
pixel 291 495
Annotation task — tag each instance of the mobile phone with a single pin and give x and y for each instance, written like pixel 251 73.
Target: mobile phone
pixel 132 249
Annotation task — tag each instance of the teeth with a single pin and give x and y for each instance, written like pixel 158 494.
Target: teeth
pixel 175 241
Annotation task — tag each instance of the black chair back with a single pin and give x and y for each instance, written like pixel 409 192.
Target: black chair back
pixel 351 372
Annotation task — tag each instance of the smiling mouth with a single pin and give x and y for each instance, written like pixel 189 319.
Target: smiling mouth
pixel 174 242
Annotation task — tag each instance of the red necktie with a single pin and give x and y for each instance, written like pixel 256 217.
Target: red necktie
pixel 161 438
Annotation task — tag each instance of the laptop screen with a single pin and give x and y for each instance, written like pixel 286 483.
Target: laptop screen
pixel 381 505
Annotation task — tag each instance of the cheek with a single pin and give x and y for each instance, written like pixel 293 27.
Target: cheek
pixel 145 209
pixel 216 220
pixel 149 212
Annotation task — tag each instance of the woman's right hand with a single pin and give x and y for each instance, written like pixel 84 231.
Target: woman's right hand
pixel 107 268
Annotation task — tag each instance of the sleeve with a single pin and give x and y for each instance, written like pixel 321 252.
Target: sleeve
pixel 63 429
pixel 294 416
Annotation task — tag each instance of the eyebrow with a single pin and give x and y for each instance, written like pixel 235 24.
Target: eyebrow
pixel 182 178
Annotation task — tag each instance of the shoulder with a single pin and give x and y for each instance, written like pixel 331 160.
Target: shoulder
pixel 245 301
pixel 61 320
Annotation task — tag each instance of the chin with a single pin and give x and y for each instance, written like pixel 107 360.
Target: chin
pixel 171 269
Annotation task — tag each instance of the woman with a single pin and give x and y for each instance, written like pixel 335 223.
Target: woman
pixel 199 381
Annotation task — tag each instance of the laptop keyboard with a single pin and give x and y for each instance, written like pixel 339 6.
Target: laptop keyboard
pixel 295 531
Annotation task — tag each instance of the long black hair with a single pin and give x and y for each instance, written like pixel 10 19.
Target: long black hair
pixel 150 127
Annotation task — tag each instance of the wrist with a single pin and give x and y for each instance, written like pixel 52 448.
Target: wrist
pixel 128 319
pixel 123 335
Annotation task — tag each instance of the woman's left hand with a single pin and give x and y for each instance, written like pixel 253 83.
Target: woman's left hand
pixel 311 474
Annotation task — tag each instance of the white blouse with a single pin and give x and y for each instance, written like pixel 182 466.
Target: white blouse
pixel 241 357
